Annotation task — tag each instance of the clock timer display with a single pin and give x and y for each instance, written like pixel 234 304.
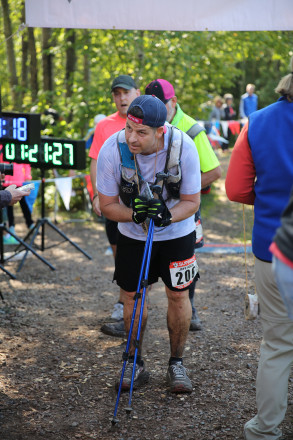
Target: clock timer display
pixel 20 127
pixel 50 153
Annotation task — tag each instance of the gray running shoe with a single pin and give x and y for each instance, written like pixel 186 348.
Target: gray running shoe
pixel 116 329
pixel 117 313
pixel 177 379
pixel 195 323
pixel 141 377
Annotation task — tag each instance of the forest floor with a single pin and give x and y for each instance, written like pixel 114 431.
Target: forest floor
pixel 57 370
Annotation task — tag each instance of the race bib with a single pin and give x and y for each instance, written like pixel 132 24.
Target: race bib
pixel 198 232
pixel 183 272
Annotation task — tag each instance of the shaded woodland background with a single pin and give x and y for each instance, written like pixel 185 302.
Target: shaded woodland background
pixel 71 69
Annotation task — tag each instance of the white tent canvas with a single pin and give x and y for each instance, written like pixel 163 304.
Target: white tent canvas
pixel 184 15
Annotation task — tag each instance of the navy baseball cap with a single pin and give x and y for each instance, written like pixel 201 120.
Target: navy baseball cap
pixel 153 109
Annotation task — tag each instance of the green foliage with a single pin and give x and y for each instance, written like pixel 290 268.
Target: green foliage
pixel 199 64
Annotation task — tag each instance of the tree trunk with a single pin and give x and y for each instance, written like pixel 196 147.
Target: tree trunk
pixel 47 60
pixel 86 61
pixel 70 65
pixel 70 60
pixel 24 57
pixel 13 80
pixel 33 63
pixel 140 55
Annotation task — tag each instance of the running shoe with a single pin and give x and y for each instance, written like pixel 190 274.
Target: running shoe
pixel 8 239
pixel 177 379
pixel 117 313
pixel 141 376
pixel 195 323
pixel 116 329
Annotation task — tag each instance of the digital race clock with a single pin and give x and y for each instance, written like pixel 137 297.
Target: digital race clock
pixel 49 153
pixel 20 127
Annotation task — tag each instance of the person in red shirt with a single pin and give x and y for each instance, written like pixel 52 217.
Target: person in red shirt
pixel 124 91
pixel 260 173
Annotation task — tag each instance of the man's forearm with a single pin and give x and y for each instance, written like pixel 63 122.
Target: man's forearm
pixel 183 210
pixel 117 212
pixel 240 178
pixel 93 174
pixel 113 210
pixel 210 176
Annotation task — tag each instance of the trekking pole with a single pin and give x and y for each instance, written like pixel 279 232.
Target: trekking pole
pixel 143 284
pixel 146 256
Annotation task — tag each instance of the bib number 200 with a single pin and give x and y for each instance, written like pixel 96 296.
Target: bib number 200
pixel 183 272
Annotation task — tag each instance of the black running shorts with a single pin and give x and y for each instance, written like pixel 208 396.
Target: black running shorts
pixel 171 260
pixel 111 231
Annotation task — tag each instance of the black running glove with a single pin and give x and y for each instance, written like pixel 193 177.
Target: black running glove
pixel 159 212
pixel 140 206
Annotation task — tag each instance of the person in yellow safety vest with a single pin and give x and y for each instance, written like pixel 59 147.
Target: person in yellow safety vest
pixel 209 164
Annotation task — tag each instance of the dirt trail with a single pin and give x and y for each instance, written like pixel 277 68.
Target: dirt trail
pixel 58 370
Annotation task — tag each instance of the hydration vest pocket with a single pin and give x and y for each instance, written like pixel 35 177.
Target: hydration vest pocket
pixel 173 183
pixel 127 189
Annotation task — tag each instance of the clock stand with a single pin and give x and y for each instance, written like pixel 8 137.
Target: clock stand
pixel 40 225
pixel 21 242
pixel 22 143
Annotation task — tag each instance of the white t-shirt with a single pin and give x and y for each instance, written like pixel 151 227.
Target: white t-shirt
pixel 109 176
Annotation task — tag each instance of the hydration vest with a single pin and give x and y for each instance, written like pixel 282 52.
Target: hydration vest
pixel 131 179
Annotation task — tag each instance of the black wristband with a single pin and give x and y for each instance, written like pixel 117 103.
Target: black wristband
pixel 96 195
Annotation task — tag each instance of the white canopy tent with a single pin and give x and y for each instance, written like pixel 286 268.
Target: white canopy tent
pixel 175 15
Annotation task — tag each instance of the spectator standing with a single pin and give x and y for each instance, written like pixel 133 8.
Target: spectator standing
pixel 124 90
pixel 228 112
pixel 217 111
pixel 262 148
pixel 21 173
pixel 89 137
pixel 209 164
pixel 248 102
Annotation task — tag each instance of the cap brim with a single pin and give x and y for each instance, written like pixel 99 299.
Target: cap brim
pixel 122 86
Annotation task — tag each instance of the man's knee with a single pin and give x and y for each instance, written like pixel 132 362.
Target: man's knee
pixel 129 299
pixel 177 296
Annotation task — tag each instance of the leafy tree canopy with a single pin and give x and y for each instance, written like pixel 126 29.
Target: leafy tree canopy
pixel 200 65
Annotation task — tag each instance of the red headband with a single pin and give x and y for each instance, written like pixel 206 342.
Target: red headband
pixel 140 121
pixel 134 119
